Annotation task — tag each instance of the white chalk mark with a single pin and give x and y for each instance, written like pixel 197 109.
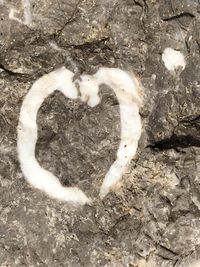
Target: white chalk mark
pixel 173 59
pixel 40 178
pixel 27 13
pixel 127 90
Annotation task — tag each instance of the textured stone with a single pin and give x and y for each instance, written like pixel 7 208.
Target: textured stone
pixel 153 220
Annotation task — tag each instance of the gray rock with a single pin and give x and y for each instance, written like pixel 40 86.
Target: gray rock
pixel 154 218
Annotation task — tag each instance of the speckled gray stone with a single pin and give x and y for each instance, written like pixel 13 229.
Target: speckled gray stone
pixel 155 216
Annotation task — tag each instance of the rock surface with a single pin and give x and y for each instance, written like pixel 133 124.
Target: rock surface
pixel 153 220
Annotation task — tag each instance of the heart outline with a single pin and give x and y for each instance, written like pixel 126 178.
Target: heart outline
pixel 128 91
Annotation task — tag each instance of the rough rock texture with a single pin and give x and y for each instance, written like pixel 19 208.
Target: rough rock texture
pixel 154 219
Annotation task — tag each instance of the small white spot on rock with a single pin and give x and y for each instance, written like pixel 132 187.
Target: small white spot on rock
pixel 153 76
pixel 173 59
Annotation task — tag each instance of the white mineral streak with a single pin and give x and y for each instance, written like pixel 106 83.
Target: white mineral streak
pixel 12 15
pixel 173 59
pixel 27 13
pixel 126 88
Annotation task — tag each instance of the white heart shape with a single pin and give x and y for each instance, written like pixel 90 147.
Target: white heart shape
pixel 127 90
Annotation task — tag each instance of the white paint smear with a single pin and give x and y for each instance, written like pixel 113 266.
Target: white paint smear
pixel 126 88
pixel 173 59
